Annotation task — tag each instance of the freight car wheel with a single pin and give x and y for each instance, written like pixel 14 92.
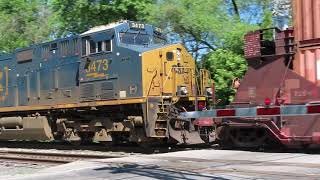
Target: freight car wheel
pixel 75 143
pixel 120 138
pixel 223 138
pixel 242 137
pixel 207 134
pixel 248 137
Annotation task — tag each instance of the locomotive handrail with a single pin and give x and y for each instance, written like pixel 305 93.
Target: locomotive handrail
pixel 154 75
pixel 204 76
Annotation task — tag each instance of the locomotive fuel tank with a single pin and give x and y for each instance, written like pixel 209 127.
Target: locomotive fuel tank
pixel 11 122
pixel 27 128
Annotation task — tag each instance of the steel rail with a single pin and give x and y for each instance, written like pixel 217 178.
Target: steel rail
pixel 50 157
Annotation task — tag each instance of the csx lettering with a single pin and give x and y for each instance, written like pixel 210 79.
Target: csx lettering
pixel 98 65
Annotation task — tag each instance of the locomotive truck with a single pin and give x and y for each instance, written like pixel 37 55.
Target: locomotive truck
pixel 113 83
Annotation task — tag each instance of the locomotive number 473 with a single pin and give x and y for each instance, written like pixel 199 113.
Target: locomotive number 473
pixel 98 65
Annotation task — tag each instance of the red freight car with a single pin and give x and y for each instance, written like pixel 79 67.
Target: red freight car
pixel 279 97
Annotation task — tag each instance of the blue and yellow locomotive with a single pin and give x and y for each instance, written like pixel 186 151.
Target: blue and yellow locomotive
pixel 114 83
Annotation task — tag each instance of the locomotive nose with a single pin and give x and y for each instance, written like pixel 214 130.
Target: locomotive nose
pixel 168 70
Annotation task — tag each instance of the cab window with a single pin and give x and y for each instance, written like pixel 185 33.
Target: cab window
pixel 140 38
pixel 90 46
pixel 93 48
pixel 134 38
pixel 158 40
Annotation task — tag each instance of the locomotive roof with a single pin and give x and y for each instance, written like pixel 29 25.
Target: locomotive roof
pixel 5 56
pixel 120 24
pixel 103 27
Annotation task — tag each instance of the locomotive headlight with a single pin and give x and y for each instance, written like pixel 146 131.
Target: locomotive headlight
pixel 178 55
pixel 182 90
pixel 209 91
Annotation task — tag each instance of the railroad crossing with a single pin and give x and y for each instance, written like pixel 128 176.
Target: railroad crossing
pixel 195 164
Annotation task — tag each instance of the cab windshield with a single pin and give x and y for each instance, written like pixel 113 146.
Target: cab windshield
pixel 140 39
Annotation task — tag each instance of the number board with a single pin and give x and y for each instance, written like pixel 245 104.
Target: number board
pixel 134 25
pixel 98 65
pixel 97 69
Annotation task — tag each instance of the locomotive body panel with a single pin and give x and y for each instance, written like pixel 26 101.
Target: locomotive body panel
pixel 164 75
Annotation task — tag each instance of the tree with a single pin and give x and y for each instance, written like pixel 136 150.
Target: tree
pixel 224 66
pixel 23 23
pixel 76 16
pixel 195 23
pixel 282 12
pixel 205 25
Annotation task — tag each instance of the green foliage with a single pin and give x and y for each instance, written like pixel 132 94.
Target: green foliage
pixel 267 23
pixel 23 23
pixel 76 16
pixel 194 21
pixel 225 65
pixel 183 15
pixel 233 38
pixel 267 19
pixel 206 24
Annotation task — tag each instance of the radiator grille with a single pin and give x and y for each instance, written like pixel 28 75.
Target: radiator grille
pixel 107 91
pixel 87 91
pixel 105 86
pixel 108 95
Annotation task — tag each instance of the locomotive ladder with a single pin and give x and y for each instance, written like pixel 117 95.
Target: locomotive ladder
pixel 161 125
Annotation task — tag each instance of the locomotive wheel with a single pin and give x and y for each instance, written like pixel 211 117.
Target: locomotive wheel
pixel 120 138
pixel 207 134
pixel 75 143
pixel 86 138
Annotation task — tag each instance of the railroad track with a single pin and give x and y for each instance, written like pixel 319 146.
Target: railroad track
pixel 50 157
pixel 124 148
